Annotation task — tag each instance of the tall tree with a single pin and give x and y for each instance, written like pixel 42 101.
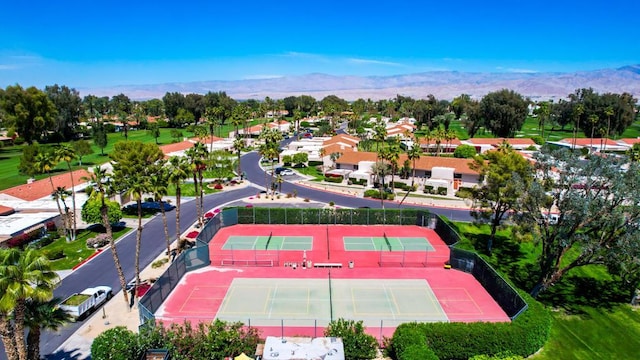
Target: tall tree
pixel 158 187
pixel 99 133
pixel 67 154
pixel 69 108
pixel 239 146
pixel 504 112
pixel 132 164
pixel 24 275
pixel 45 162
pixel 505 173
pixel 81 148
pixel 594 222
pixel 42 315
pixel 103 185
pixel 28 111
pixel 179 170
pixel 413 154
pixel 172 103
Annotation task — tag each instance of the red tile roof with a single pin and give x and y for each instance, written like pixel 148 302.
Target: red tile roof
pixel 629 141
pixel 5 210
pixel 183 145
pixel 461 166
pixel 42 188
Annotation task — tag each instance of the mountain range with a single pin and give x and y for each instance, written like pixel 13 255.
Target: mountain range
pixel 441 84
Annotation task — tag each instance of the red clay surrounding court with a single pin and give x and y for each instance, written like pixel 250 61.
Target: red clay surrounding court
pixel 201 292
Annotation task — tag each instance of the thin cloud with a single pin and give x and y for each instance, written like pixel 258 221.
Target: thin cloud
pixel 8 67
pixel 262 77
pixel 374 62
pixel 527 71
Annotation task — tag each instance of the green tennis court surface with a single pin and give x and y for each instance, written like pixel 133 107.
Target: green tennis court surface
pixel 360 243
pixel 265 302
pixel 263 243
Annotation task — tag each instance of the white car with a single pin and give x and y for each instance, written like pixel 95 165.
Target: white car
pixel 286 172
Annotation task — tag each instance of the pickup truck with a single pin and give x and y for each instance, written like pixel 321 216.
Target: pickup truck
pixel 81 304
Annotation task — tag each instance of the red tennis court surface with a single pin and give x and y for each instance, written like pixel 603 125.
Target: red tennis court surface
pixel 201 293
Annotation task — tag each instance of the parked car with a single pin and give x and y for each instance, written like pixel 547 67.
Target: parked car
pixel 286 172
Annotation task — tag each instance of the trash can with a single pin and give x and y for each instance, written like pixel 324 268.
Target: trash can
pixel 351 264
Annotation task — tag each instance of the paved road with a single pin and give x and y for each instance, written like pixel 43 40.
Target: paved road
pixel 101 270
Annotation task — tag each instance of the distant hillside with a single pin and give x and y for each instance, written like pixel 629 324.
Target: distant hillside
pixel 442 84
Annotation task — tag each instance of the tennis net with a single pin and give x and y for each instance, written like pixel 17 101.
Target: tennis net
pixel 266 246
pixel 386 240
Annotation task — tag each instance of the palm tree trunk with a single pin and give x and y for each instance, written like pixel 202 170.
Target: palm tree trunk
pixel 138 245
pixel 73 203
pixel 114 252
pixel 201 218
pixel 62 217
pixel 195 186
pixel 166 227
pixel 33 343
pixel 178 232
pixel 18 321
pixel 8 339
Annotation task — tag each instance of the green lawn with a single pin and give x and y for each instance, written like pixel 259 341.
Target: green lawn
pixel 77 250
pixel 591 320
pixel 596 334
pixel 189 190
pixel 10 156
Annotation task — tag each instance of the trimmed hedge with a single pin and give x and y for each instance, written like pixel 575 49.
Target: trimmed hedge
pixel 376 194
pixel 358 181
pixel 442 190
pixel 428 189
pixel 459 341
pixel 333 179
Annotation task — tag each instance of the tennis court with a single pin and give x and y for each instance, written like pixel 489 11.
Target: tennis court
pixel 268 242
pixel 393 243
pixel 267 301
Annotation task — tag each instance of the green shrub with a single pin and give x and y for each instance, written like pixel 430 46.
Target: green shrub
pixel 358 345
pixel 465 151
pixel 442 190
pixel 522 337
pixel 464 192
pixel 358 181
pixel 54 255
pixel 372 193
pixel 428 189
pixel 118 343
pixel 400 185
pixel 333 179
pixel 158 263
pixel 539 140
pixel 418 351
pixel 98 241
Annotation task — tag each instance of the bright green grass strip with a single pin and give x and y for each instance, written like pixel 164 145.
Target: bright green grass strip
pixel 77 250
pixel 597 334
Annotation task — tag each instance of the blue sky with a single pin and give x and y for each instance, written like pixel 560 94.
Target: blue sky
pixel 106 43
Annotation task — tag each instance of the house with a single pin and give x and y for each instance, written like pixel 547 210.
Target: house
pixel 448 172
pixel 483 145
pixel 591 144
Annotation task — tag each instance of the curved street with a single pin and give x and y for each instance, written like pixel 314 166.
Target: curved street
pixel 101 270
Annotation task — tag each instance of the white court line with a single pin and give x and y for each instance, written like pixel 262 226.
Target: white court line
pixel 275 291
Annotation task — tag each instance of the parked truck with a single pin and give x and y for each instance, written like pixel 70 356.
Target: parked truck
pixel 81 304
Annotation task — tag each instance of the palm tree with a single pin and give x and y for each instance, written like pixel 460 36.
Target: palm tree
pixel 593 119
pixel 392 156
pixel 60 195
pixel 438 136
pixel 413 155
pixel 102 183
pixel 41 315
pixel 279 181
pixel 67 154
pixel 178 172
pixel 158 187
pixel 136 186
pixel 239 146
pixel 197 155
pixel 449 136
pixel 577 111
pixel 428 136
pixel 380 170
pixel 609 112
pixel 24 275
pixel 379 133
pixel 44 163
